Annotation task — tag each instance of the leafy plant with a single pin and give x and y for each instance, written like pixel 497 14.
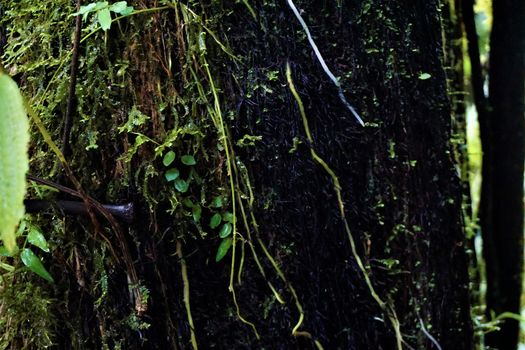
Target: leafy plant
pixel 197 213
pixel 223 249
pixel 102 11
pixel 172 174
pixel 14 163
pixel 188 160
pixel 35 238
pixel 29 258
pixel 181 185
pixel 215 220
pixel 34 263
pixel 226 230
pixel 168 158
pixel 217 202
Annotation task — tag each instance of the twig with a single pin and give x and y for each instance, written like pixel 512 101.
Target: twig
pixel 86 201
pixel 121 211
pixel 91 203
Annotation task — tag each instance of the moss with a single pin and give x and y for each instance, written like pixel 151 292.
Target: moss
pixel 28 313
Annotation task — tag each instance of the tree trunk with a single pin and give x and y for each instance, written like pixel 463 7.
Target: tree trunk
pixel 356 230
pixel 504 147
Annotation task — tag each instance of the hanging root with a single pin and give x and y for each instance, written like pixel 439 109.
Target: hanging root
pixel 238 178
pixel 186 294
pixel 428 335
pixel 389 311
pixel 323 64
pixel 240 169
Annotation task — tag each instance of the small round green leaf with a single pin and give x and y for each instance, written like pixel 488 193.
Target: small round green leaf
pixel 424 76
pixel 228 217
pixel 34 264
pixel 197 212
pixel 168 158
pixel 188 160
pixel 181 185
pixel 223 248
pixel 217 202
pixel 226 230
pixel 172 174
pixel 215 220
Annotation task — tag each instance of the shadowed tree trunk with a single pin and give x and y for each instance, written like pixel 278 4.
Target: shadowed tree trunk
pixel 504 147
pixel 208 79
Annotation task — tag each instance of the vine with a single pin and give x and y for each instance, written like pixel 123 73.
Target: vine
pixel 388 309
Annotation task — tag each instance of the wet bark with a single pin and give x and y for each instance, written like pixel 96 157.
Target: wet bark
pixel 400 190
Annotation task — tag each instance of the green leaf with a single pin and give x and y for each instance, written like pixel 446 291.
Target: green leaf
pixel 197 212
pixel 181 185
pixel 104 18
pixel 424 76
pixel 34 264
pixel 127 11
pixel 119 6
pixel 14 161
pixel 223 248
pixel 228 217
pixel 188 203
pixel 217 202
pixel 172 174
pixel 100 5
pixel 21 228
pixel 226 230
pixel 85 10
pixel 215 220
pixel 188 160
pixel 168 158
pixel 36 238
pixel 4 252
pixel 135 119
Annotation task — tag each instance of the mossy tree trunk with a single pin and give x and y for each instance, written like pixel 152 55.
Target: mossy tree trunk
pixel 208 80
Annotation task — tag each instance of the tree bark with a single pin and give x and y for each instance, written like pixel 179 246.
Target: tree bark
pixel 502 212
pixel 401 192
pixel 392 182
